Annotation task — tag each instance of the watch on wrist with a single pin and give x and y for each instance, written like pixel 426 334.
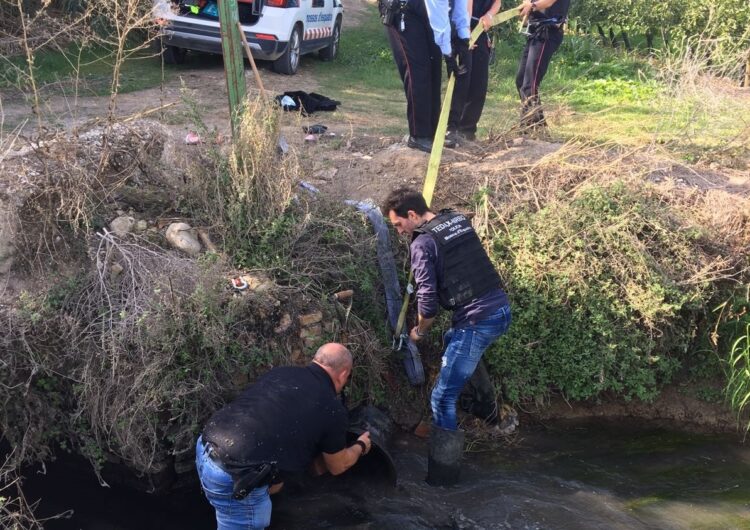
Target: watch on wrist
pixel 362 445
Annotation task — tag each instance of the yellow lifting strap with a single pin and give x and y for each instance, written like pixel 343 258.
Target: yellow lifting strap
pixel 436 154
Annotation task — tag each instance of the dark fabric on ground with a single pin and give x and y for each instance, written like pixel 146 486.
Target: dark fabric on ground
pixel 308 103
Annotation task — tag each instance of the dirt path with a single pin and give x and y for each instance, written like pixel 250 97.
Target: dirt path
pixel 354 163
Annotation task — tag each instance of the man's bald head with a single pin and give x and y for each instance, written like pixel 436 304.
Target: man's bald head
pixel 334 356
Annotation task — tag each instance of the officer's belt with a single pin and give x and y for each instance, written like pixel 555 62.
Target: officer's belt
pixel 245 477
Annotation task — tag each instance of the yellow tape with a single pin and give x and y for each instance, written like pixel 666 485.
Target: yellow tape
pixel 430 180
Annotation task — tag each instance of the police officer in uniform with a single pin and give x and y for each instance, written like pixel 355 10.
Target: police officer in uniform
pixel 471 90
pixel 419 32
pixel 545 34
pixel 452 270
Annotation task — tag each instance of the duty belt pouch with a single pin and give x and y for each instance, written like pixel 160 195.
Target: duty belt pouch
pixel 250 478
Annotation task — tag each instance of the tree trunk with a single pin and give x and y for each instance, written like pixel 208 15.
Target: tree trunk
pixel 612 38
pixel 601 34
pixel 665 37
pixel 626 40
pixel 747 71
pixel 650 40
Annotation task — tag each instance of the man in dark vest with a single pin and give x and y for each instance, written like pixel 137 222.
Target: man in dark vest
pixel 471 90
pixel 452 270
pixel 545 34
pixel 289 419
pixel 420 33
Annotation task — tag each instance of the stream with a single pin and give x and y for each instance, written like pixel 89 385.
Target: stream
pixel 565 476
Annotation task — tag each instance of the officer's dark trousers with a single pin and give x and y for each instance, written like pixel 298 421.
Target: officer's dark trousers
pixel 534 62
pixel 471 90
pixel 419 63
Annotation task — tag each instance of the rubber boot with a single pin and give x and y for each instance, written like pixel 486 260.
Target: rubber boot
pixel 478 396
pixel 444 459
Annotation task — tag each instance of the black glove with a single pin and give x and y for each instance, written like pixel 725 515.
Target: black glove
pixel 453 67
pixel 461 49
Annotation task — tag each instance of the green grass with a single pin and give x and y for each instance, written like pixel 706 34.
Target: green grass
pixel 83 70
pixel 364 78
pixel 591 92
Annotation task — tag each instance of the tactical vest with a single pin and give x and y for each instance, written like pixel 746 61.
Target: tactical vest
pixel 467 271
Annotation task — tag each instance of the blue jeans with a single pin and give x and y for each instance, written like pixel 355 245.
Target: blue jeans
pixel 251 513
pixel 463 351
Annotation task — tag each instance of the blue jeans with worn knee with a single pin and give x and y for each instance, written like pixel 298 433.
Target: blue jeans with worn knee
pixel 464 347
pixel 251 513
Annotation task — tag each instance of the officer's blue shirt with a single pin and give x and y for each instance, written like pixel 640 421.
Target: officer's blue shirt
pixel 437 12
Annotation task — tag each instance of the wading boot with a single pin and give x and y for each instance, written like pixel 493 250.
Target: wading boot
pixel 444 459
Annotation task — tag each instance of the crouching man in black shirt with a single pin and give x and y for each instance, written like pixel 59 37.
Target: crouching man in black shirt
pixel 287 420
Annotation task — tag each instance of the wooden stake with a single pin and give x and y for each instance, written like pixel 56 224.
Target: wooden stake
pixel 249 53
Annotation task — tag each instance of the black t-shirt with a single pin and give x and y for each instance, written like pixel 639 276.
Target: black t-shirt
pixel 289 415
pixel 478 9
pixel 558 10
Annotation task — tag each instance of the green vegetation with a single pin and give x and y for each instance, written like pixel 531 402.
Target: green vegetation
pixel 605 294
pixel 724 20
pixel 593 92
pixel 738 364
pixel 84 70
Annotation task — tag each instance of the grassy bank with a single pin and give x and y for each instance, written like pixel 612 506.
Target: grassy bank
pixel 84 71
pixel 592 92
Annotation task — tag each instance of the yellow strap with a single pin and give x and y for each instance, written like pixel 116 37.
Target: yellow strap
pixel 436 154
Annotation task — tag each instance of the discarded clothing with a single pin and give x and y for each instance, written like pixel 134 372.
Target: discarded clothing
pixel 318 128
pixel 307 103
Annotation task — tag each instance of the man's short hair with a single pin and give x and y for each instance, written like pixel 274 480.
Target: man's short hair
pixel 403 199
pixel 335 356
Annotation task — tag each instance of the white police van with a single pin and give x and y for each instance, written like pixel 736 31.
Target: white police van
pixel 277 30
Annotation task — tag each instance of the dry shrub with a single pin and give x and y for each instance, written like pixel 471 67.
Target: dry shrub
pixel 242 190
pixel 705 103
pixel 65 179
pixel 15 511
pixel 261 180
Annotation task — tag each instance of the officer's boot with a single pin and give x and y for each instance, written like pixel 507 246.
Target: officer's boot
pixel 444 460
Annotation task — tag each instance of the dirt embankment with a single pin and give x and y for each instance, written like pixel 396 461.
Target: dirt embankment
pixel 356 164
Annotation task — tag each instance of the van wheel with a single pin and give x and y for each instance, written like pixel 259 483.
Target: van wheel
pixel 173 55
pixel 289 62
pixel 330 52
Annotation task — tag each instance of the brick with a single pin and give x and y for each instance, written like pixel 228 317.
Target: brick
pixel 310 319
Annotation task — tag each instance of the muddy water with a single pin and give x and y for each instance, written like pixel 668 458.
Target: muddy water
pixel 582 476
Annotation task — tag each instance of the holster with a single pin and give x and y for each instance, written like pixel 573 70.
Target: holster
pixel 252 477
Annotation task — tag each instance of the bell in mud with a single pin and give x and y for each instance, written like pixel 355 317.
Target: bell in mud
pixel 444 459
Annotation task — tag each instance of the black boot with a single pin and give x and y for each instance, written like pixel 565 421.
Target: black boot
pixel 444 460
pixel 421 143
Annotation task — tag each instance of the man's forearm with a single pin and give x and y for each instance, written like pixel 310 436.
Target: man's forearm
pixel 494 8
pixel 424 324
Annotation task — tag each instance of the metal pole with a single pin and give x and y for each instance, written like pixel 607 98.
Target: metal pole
pixel 234 67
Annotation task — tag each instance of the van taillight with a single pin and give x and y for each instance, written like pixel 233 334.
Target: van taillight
pixel 277 3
